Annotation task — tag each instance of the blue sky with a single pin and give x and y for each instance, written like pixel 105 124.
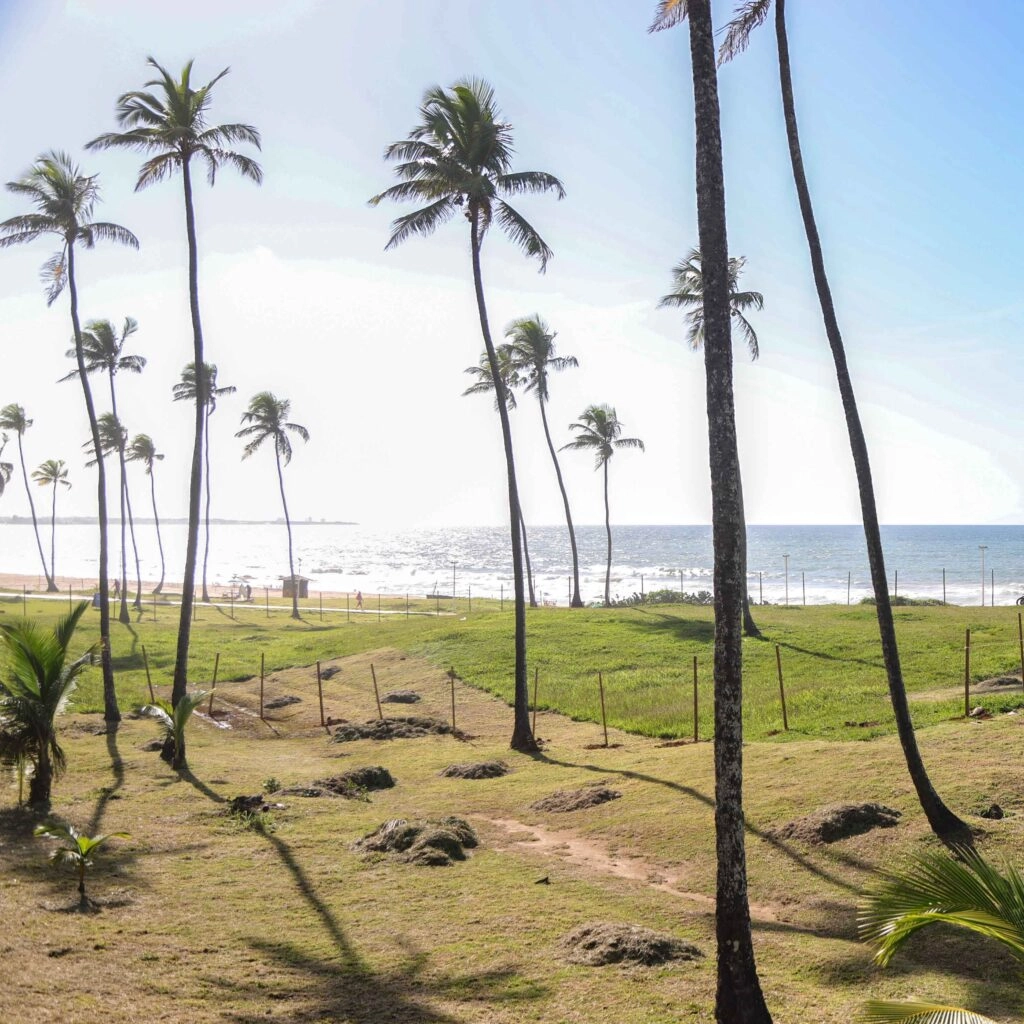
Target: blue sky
pixel 908 119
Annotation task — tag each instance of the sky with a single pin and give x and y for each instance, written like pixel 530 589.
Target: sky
pixel 908 117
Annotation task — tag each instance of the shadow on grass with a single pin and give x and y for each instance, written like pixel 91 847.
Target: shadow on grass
pixel 696 630
pixel 784 848
pixel 108 793
pixel 868 662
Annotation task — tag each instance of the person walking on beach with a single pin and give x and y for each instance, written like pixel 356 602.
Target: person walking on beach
pixel 359 600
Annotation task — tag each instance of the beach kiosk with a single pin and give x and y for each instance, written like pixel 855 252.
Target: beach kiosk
pixel 290 585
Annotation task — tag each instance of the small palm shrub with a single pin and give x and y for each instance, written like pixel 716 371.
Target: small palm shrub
pixel 76 849
pixel 173 720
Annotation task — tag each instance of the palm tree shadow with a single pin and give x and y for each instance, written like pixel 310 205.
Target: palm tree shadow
pixel 784 848
pixel 868 662
pixel 131 659
pixel 693 630
pixel 108 793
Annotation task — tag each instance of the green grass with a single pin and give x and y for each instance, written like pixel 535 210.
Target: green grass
pixel 834 678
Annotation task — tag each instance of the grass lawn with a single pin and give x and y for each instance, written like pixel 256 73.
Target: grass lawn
pixel 202 919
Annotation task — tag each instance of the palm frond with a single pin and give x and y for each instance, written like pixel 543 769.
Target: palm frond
pixel 747 17
pixel 917 1012
pixel 523 234
pixel 528 183
pixel 668 14
pixel 421 222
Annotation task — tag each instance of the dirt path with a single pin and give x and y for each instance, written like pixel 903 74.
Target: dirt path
pixel 569 846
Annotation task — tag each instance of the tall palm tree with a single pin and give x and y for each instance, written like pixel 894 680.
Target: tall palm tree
pixel 143 450
pixel 966 892
pixel 459 159
pixel 688 293
pixel 738 997
pixel 944 823
pixel 38 682
pixel 104 353
pixel 484 384
pixel 598 430
pixel 12 417
pixel 186 390
pixel 52 473
pixel 267 417
pixel 64 199
pixel 167 121
pixel 532 345
pixel 6 468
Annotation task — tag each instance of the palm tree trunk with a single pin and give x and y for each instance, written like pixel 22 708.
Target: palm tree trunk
pixel 159 542
pixel 135 548
pixel 111 713
pixel 123 615
pixel 288 526
pixel 526 559
pixel 575 601
pixel 188 584
pixel 53 534
pixel 42 778
pixel 50 585
pixel 944 823
pixel 522 735
pixel 749 625
pixel 206 512
pixel 738 998
pixel 607 530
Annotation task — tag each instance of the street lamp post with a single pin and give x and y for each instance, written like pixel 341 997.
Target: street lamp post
pixel 981 548
pixel 786 557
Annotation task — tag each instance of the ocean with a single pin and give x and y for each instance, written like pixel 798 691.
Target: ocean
pixel 826 564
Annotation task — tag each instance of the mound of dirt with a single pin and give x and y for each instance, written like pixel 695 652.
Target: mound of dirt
pixel 356 782
pixel 600 943
pixel 831 824
pixel 248 804
pixel 564 800
pixel 398 728
pixel 997 684
pixel 281 702
pixel 477 770
pixel 329 671
pixel 401 697
pixel 433 843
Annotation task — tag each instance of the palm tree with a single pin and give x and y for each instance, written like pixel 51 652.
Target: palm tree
pixel 64 200
pixel 52 472
pixel 484 384
pixel 104 353
pixel 944 823
pixel 6 468
pixel 267 417
pixel 966 892
pixel 173 719
pixel 459 159
pixel 39 681
pixel 78 849
pixel 599 431
pixel 532 345
pixel 143 450
pixel 688 293
pixel 169 124
pixel 187 389
pixel 738 998
pixel 12 417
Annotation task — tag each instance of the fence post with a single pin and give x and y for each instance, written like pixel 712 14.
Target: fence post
pixel 896 583
pixel 943 586
pixel 376 692
pixel 321 606
pixel 267 594
pixel 533 727
pixel 437 603
pixel 967 675
pixel 501 606
pixel 760 586
pixel 1020 638
pixel 407 604
pixel 262 669
pixel 782 688
pixel 849 577
pixel 231 596
pixel 69 597
pixel 154 607
pixel 451 678
pixel 604 720
pixel 695 735
pixel 992 590
pixel 469 592
pixel 348 613
pixel 145 661
pixel 320 692
pixel 24 601
pixel 213 687
pixel 803 584
pixel 378 607
pixel 641 586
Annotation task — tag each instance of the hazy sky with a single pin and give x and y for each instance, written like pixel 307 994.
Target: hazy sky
pixel 909 119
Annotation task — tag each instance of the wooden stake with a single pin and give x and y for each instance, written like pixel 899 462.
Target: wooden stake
pixel 154 607
pixel 266 593
pixel 533 727
pixel 452 677
pixel 348 612
pixel 262 668
pixel 69 597
pixel 321 606
pixel 1020 637
pixel 231 598
pixel 849 577
pixel 967 675
pixel 213 688
pixel 695 734
pixel 782 688
pixel 320 691
pixel 145 661
pixel 378 607
pixel 376 692
pixel 604 720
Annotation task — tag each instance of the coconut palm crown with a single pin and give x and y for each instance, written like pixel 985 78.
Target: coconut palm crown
pixel 688 293
pixel 483 379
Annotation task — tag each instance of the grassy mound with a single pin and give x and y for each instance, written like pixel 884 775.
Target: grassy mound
pixel 600 943
pixel 475 770
pixel 399 728
pixel 831 824
pixel 432 843
pixel 564 800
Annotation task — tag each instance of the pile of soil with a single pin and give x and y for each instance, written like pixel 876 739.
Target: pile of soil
pixel 401 697
pixel 248 804
pixel 831 824
pixel 399 728
pixel 430 842
pixel 997 684
pixel 477 770
pixel 280 702
pixel 564 800
pixel 600 943
pixel 356 782
pixel 329 671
